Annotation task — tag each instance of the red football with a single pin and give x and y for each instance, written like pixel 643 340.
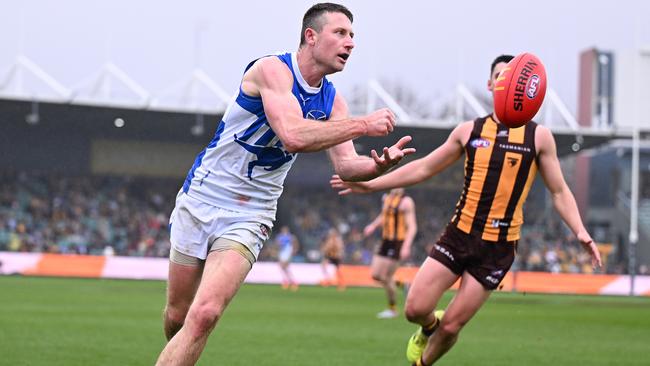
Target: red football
pixel 519 90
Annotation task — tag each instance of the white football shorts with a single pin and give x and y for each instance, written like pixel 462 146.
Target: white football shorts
pixel 195 226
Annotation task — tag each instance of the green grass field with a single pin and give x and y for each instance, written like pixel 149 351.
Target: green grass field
pixel 53 321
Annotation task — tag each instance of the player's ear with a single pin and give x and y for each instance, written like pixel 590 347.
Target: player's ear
pixel 489 84
pixel 310 36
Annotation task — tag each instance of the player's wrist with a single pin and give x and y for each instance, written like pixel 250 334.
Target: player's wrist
pixel 362 124
pixel 380 169
pixel 371 186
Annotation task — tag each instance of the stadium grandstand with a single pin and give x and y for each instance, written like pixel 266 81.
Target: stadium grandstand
pixel 101 142
pixel 89 175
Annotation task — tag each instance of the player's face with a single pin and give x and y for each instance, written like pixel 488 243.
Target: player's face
pixel 334 43
pixel 495 74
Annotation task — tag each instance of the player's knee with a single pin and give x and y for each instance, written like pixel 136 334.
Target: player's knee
pixel 203 319
pixel 450 328
pixel 377 277
pixel 175 314
pixel 413 313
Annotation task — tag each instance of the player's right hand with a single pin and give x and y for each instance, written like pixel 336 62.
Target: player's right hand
pixel 348 187
pixel 380 122
pixel 405 252
pixel 588 243
pixel 368 230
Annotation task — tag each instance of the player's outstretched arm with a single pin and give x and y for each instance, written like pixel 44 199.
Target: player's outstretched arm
pixel 272 80
pixel 371 227
pixel 353 167
pixel 563 200
pixel 414 172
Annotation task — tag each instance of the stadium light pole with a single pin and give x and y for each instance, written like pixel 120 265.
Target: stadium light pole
pixel 634 207
pixel 634 191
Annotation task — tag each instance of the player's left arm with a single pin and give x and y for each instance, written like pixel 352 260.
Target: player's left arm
pixel 563 200
pixel 415 171
pixel 407 206
pixel 371 227
pixel 351 166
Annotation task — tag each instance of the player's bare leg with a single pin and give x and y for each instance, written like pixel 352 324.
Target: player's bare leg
pixel 429 284
pixel 326 276
pixel 288 282
pixel 468 300
pixel 383 271
pixel 340 279
pixel 181 287
pixel 223 275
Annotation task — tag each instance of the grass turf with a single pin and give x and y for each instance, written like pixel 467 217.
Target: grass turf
pixel 56 321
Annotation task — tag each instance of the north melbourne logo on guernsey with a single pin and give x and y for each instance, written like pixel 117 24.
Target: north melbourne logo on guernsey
pixel 316 115
pixel 268 157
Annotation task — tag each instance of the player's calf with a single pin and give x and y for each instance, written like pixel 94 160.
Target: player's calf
pixel 174 318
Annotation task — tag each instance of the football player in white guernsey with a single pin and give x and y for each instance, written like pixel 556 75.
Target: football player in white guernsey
pixel 226 208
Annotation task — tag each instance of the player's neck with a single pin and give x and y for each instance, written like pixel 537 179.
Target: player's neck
pixel 309 68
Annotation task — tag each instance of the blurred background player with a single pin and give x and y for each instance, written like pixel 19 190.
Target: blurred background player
pixel 479 244
pixel 398 228
pixel 332 250
pixel 287 247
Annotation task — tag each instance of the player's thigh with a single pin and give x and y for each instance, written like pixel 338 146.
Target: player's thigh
pixel 469 298
pixel 380 266
pixel 224 272
pixel 392 268
pixel 183 280
pixel 430 282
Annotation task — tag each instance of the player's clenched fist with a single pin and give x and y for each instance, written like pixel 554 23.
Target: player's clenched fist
pixel 380 122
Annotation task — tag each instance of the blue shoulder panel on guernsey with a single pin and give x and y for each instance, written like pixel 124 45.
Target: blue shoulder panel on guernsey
pixel 316 103
pixel 249 103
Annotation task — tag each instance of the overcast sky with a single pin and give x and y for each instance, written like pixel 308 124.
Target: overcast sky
pixel 428 46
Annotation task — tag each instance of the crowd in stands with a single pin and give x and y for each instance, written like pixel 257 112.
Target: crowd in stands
pixel 84 215
pixel 103 215
pixel 546 245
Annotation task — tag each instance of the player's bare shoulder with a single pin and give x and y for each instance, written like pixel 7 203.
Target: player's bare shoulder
pixel 544 140
pixel 266 72
pixel 407 203
pixel 461 133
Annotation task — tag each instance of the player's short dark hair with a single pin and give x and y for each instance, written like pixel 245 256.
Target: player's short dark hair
pixel 500 59
pixel 312 18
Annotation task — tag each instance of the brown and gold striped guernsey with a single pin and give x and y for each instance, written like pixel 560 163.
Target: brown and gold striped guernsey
pixel 393 221
pixel 500 167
